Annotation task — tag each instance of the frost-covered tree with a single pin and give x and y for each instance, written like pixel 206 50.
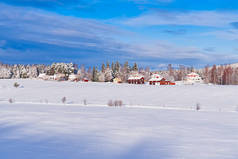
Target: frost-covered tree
pixel 89 74
pixel 108 75
pixel 5 72
pixel 101 77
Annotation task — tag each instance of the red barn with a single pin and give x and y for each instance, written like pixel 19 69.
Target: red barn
pixel 136 79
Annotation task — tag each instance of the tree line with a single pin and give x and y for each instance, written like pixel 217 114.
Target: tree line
pixel 221 75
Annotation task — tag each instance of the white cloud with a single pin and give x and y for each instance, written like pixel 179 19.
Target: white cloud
pixel 88 36
pixel 195 18
pixel 40 26
pixel 231 34
pixel 161 50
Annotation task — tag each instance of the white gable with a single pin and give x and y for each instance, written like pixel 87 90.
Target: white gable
pixel 135 77
pixel 193 77
pixel 156 77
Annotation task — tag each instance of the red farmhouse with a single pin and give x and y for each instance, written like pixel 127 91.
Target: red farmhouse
pixel 158 80
pixel 136 79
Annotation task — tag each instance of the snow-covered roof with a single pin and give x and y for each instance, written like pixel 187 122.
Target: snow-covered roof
pixel 59 75
pixel 193 74
pixel 193 77
pixel 42 75
pixel 156 77
pixel 135 76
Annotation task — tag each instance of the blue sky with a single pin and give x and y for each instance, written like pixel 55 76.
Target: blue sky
pixel 151 32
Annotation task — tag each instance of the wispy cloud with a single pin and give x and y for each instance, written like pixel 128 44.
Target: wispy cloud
pixel 171 52
pixel 49 28
pixel 230 34
pixel 39 36
pixel 193 18
pixel 151 1
pixel 175 31
pixel 50 4
pixel 210 49
pixel 30 33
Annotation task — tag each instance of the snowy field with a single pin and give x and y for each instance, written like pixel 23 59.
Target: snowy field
pixel 156 122
pixel 210 97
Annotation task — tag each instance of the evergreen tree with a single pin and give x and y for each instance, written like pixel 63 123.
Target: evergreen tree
pixel 117 67
pixel 112 66
pixel 135 67
pixel 103 68
pixel 95 74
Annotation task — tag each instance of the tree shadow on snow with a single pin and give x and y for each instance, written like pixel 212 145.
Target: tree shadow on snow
pixel 83 146
pixel 149 149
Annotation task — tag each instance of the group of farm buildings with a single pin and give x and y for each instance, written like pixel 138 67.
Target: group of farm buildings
pixel 135 78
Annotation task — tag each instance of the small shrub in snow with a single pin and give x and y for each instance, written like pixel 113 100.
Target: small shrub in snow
pixel 63 100
pixel 110 103
pixel 115 103
pixel 198 107
pixel 10 100
pixel 46 101
pixel 16 85
pixel 85 102
pixel 118 103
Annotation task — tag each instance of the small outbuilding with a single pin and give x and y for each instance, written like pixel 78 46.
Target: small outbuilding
pixel 85 79
pixel 117 80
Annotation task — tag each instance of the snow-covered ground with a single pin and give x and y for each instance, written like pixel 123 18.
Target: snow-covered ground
pixel 210 97
pixel 157 122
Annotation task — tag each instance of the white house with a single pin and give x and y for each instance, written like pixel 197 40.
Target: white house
pixel 155 79
pixel 192 78
pixel 74 78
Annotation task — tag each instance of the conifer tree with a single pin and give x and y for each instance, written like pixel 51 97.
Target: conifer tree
pixel 117 67
pixel 95 74
pixel 103 68
pixel 112 66
pixel 135 67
